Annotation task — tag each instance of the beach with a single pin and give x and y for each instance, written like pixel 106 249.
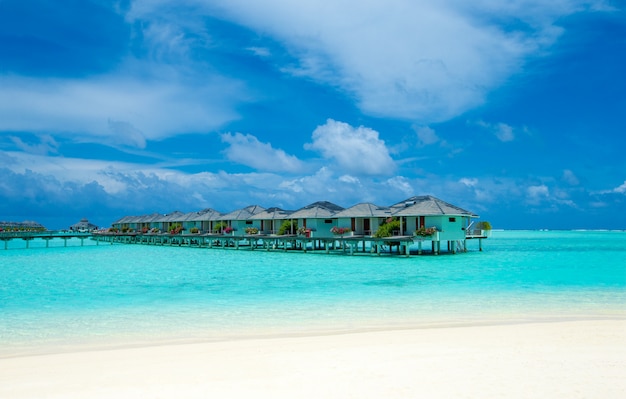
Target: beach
pixel 573 359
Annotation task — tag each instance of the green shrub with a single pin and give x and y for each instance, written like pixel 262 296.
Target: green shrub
pixel 219 227
pixel 484 225
pixel 387 228
pixel 288 227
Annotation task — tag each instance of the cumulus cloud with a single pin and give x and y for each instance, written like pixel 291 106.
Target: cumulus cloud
pixel 355 150
pixel 248 150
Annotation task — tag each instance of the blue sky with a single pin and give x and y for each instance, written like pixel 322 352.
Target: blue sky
pixel 513 110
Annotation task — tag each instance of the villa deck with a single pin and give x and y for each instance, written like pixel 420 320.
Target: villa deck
pixel 349 244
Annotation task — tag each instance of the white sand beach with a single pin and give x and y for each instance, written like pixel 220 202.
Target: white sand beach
pixel 571 359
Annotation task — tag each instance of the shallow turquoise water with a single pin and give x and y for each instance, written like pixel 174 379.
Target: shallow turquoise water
pixel 129 294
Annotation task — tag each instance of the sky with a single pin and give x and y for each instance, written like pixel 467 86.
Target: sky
pixel 513 110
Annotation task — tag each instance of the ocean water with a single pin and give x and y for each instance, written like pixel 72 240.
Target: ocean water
pixel 66 297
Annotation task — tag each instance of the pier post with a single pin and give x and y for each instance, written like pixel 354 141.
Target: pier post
pixel 82 239
pixel 453 244
pixel 419 247
pixel 65 239
pixel 480 244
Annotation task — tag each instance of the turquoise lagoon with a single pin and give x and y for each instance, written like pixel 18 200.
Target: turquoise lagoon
pixel 63 298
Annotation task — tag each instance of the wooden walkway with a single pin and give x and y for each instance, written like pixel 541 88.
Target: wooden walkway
pixel 27 236
pixel 352 245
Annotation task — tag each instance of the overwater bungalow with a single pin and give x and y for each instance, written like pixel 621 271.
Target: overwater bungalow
pixel 270 220
pixel 363 219
pixel 203 220
pixel 317 219
pixel 241 219
pixel 412 221
pixel 83 226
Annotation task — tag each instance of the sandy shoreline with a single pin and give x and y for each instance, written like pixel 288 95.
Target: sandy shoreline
pixel 573 359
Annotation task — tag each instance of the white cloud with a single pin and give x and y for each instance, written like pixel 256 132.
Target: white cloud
pixel 46 145
pixel 536 194
pixel 426 136
pixel 469 182
pixel 420 60
pixel 620 189
pixel 570 178
pixel 502 131
pixel 117 109
pixel 248 150
pixel 260 51
pixel 355 150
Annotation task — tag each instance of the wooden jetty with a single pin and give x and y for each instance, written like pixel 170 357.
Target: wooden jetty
pixel 348 244
pixel 28 236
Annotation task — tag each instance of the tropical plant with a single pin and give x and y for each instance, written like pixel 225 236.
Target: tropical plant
pixel 425 231
pixel 287 227
pixel 251 230
pixel 220 227
pixel 194 230
pixel 340 230
pixel 484 225
pixel 176 228
pixel 387 228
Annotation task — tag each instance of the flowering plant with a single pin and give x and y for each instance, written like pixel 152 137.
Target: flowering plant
pixel 228 230
pixel 425 231
pixel 340 230
pixel 302 231
pixel 251 230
